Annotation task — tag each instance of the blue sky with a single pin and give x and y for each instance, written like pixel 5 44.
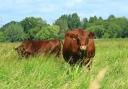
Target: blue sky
pixel 50 10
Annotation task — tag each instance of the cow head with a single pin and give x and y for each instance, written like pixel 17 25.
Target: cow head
pixel 82 39
pixel 20 50
pixel 83 42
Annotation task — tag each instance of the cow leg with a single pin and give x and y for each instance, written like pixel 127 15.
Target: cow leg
pixel 81 63
pixel 88 62
pixel 27 54
pixel 57 51
pixel 70 60
pixel 24 54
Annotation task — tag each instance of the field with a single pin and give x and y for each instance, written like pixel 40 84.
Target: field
pixel 43 72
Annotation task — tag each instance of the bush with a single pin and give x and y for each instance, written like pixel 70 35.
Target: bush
pixel 48 32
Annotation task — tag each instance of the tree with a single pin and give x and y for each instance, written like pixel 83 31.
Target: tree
pixel 36 28
pixel 2 37
pixel 74 21
pixel 32 22
pixel 84 23
pixel 123 23
pixel 62 22
pixel 98 30
pixel 92 19
pixel 33 31
pixel 48 32
pixel 32 25
pixel 111 31
pixel 14 32
pixel 124 31
pixel 111 17
pixel 100 18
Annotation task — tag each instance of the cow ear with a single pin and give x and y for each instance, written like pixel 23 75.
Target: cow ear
pixel 91 34
pixel 66 35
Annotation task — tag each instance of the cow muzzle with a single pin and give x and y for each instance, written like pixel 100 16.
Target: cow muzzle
pixel 83 47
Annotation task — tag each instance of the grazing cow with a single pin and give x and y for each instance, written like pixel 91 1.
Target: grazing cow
pixel 78 47
pixel 32 47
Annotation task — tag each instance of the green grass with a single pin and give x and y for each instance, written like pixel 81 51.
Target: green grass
pixel 42 72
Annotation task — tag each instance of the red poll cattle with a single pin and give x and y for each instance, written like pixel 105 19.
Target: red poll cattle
pixel 32 47
pixel 79 47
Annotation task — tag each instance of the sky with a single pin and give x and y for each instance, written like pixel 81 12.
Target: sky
pixel 50 10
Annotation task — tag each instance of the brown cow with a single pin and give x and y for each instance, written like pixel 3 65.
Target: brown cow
pixel 78 47
pixel 32 47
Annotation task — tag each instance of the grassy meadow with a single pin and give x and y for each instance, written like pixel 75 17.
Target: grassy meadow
pixel 47 72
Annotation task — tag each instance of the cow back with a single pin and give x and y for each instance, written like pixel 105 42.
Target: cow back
pixel 32 47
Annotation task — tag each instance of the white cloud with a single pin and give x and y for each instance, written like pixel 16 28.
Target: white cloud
pixel 72 3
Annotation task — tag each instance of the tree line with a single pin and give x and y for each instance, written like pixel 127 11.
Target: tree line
pixel 35 28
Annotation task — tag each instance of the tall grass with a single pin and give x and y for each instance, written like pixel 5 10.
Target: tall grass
pixel 47 72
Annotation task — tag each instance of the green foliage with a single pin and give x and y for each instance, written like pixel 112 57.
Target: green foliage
pixel 68 22
pixel 32 32
pixel 14 32
pixel 124 33
pixel 62 22
pixel 2 38
pixel 32 22
pixel 112 31
pixel 99 30
pixel 93 19
pixel 84 23
pixel 35 28
pixel 111 17
pixel 32 26
pixel 48 32
pixel 74 21
pixel 111 28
